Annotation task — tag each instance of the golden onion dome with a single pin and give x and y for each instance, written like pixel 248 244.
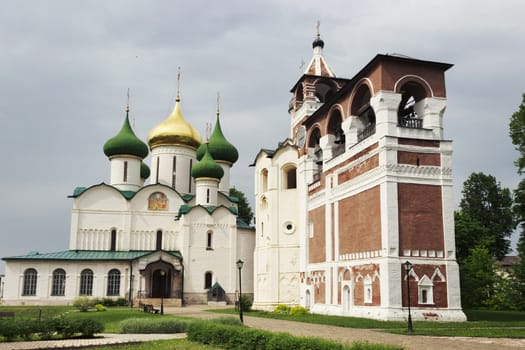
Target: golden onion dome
pixel 175 130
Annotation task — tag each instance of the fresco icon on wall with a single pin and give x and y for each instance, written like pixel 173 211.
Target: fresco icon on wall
pixel 158 201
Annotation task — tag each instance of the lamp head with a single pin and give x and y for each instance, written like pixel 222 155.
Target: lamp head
pixel 240 263
pixel 162 273
pixel 407 265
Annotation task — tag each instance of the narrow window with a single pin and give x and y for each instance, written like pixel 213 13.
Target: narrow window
pixel 208 196
pixel 125 176
pixel 368 289
pixel 209 240
pixel 157 170
pixel 113 283
pixel 86 282
pixel 113 246
pixel 174 176
pixel 207 280
pixel 189 184
pixel 264 180
pixel 424 296
pixel 291 178
pixel 159 240
pixel 30 277
pixel 58 286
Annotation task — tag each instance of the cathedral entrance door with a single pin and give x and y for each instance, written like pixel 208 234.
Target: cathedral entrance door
pixel 161 283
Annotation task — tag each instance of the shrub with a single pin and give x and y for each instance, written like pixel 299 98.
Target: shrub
pixel 246 302
pixel 230 321
pixel 282 309
pixel 82 303
pixel 121 302
pixel 153 325
pixel 100 307
pixel 298 311
pixel 88 327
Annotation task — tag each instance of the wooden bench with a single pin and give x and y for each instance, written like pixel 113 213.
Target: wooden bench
pixel 149 308
pixel 7 314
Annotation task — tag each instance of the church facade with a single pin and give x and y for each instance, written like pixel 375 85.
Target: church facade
pixel 355 208
pixel 177 238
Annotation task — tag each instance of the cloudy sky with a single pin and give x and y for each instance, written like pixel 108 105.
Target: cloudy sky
pixel 65 67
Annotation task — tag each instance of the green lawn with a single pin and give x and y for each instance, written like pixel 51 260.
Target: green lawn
pixel 482 323
pixel 173 344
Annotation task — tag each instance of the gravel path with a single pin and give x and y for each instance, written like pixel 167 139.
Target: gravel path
pixel 413 342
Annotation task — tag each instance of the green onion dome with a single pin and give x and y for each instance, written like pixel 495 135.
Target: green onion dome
pixel 144 171
pixel 126 143
pixel 219 148
pixel 207 167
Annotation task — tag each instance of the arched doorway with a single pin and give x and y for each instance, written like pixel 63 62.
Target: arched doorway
pixel 161 283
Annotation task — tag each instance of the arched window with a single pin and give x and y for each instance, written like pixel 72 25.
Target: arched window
pixel 335 128
pixel 361 108
pixel 86 282
pixel 158 245
pixel 30 277
pixel 264 180
pixel 113 282
pixel 58 286
pixel 411 93
pixel 113 245
pixel 290 177
pixel 208 276
pixel 209 240
pixel 208 195
pixel 314 143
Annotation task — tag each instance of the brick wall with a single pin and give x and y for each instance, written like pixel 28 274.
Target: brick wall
pixel 360 222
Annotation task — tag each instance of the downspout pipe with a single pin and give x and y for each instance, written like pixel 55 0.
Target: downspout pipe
pixel 130 296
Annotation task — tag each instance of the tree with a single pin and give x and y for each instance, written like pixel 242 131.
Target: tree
pixel 468 233
pixel 517 134
pixel 477 278
pixel 245 211
pixel 485 202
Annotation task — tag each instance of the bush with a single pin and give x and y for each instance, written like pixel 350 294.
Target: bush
pixel 229 337
pixel 121 302
pixel 298 311
pixel 282 309
pixel 230 321
pixel 246 302
pixel 88 327
pixel 82 303
pixel 100 307
pixel 153 325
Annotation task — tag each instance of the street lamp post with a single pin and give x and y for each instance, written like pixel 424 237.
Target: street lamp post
pixel 408 267
pixel 163 276
pixel 239 266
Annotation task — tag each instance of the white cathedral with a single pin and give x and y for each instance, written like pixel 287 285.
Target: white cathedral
pixel 178 238
pixel 354 210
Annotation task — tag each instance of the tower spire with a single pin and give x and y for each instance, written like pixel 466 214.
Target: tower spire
pixel 318 65
pixel 127 104
pixel 218 103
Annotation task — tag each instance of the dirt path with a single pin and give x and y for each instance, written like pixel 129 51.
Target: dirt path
pixel 349 335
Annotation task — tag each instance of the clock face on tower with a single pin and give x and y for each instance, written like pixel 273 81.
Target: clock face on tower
pixel 300 137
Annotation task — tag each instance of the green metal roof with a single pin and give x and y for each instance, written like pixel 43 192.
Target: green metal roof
pixel 92 255
pixel 185 209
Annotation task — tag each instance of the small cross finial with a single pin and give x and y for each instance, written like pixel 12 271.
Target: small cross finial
pixel 127 105
pixel 178 85
pixel 208 131
pixel 318 32
pixel 218 102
